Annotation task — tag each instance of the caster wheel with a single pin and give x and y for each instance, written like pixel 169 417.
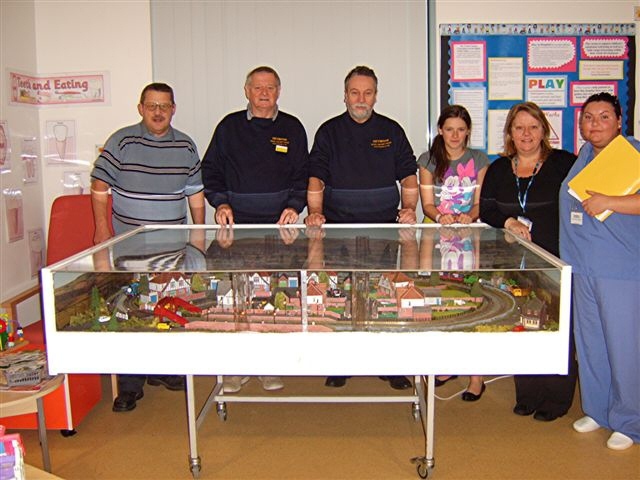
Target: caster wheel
pixel 67 433
pixel 424 466
pixel 415 411
pixel 194 466
pixel 221 409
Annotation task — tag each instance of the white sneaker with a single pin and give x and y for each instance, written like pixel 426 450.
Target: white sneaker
pixel 585 424
pixel 271 383
pixel 233 383
pixel 619 441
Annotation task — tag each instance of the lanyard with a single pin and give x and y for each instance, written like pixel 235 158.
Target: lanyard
pixel 522 197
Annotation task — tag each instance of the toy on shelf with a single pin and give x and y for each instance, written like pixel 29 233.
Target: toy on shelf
pixel 11 333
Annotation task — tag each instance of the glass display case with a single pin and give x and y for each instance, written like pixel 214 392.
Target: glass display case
pixel 337 300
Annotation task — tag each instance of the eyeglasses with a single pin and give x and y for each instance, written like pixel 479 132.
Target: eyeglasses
pixel 151 107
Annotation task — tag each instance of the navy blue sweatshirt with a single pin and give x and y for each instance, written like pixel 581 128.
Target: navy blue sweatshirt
pixel 360 164
pixel 257 166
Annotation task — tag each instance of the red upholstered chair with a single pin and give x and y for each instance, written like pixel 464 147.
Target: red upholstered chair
pixel 71 226
pixel 71 229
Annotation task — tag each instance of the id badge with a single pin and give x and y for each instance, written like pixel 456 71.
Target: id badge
pixel 576 218
pixel 525 221
pixel 576 212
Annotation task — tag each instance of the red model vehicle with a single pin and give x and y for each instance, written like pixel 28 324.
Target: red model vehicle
pixel 167 307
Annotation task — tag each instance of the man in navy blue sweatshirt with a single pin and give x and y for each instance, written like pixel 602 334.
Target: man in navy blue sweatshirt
pixel 255 169
pixel 356 162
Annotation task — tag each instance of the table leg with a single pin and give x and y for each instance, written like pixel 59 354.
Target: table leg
pixel 194 459
pixel 425 465
pixel 42 433
pixel 431 415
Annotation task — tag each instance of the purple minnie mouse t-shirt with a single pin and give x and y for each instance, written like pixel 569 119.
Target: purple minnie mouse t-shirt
pixel 455 194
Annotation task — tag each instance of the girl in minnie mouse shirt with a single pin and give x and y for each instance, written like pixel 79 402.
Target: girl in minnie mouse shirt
pixel 451 177
pixel 450 173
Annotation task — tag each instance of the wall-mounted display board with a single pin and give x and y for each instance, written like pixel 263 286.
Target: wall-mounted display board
pixel 490 67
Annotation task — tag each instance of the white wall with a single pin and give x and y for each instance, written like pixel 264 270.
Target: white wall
pixel 205 49
pixel 50 37
pixel 92 36
pixel 535 11
pixel 18 50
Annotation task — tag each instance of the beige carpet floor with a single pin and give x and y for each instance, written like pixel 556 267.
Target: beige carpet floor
pixel 267 441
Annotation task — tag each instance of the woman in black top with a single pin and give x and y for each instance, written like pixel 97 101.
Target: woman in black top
pixel 520 194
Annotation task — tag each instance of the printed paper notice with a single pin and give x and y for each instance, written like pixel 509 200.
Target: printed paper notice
pixel 497 119
pixel 505 78
pixel 13 214
pixel 580 91
pixel 62 89
pixel 551 54
pixel 36 250
pixel 554 117
pixel 29 157
pixel 60 141
pixel 547 91
pixel 579 141
pixel 605 47
pixel 475 101
pixel 601 70
pixel 5 147
pixel 468 61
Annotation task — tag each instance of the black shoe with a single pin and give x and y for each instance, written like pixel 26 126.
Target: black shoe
pixel 472 397
pixel 522 409
pixel 126 401
pixel 335 381
pixel 170 382
pixel 545 416
pixel 398 382
pixel 439 382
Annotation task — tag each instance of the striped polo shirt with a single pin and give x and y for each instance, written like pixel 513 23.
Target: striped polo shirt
pixel 150 177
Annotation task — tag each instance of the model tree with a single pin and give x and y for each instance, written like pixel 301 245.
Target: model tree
pixel 143 285
pixel 197 284
pixel 95 301
pixel 280 301
pixel 112 325
pixel 323 278
pixel 476 289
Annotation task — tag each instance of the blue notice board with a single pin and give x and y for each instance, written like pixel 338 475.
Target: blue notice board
pixel 490 67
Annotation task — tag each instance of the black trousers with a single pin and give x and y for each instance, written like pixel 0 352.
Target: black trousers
pixel 549 393
pixel 131 383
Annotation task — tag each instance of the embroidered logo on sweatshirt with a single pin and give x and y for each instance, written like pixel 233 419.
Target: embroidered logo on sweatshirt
pixel 281 144
pixel 381 143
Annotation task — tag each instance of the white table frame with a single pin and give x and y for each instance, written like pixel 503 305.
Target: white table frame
pixel 423 409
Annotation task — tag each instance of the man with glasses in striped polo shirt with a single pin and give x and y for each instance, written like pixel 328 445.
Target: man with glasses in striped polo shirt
pixel 153 171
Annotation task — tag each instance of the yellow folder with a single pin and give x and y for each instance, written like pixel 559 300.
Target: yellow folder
pixel 614 171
